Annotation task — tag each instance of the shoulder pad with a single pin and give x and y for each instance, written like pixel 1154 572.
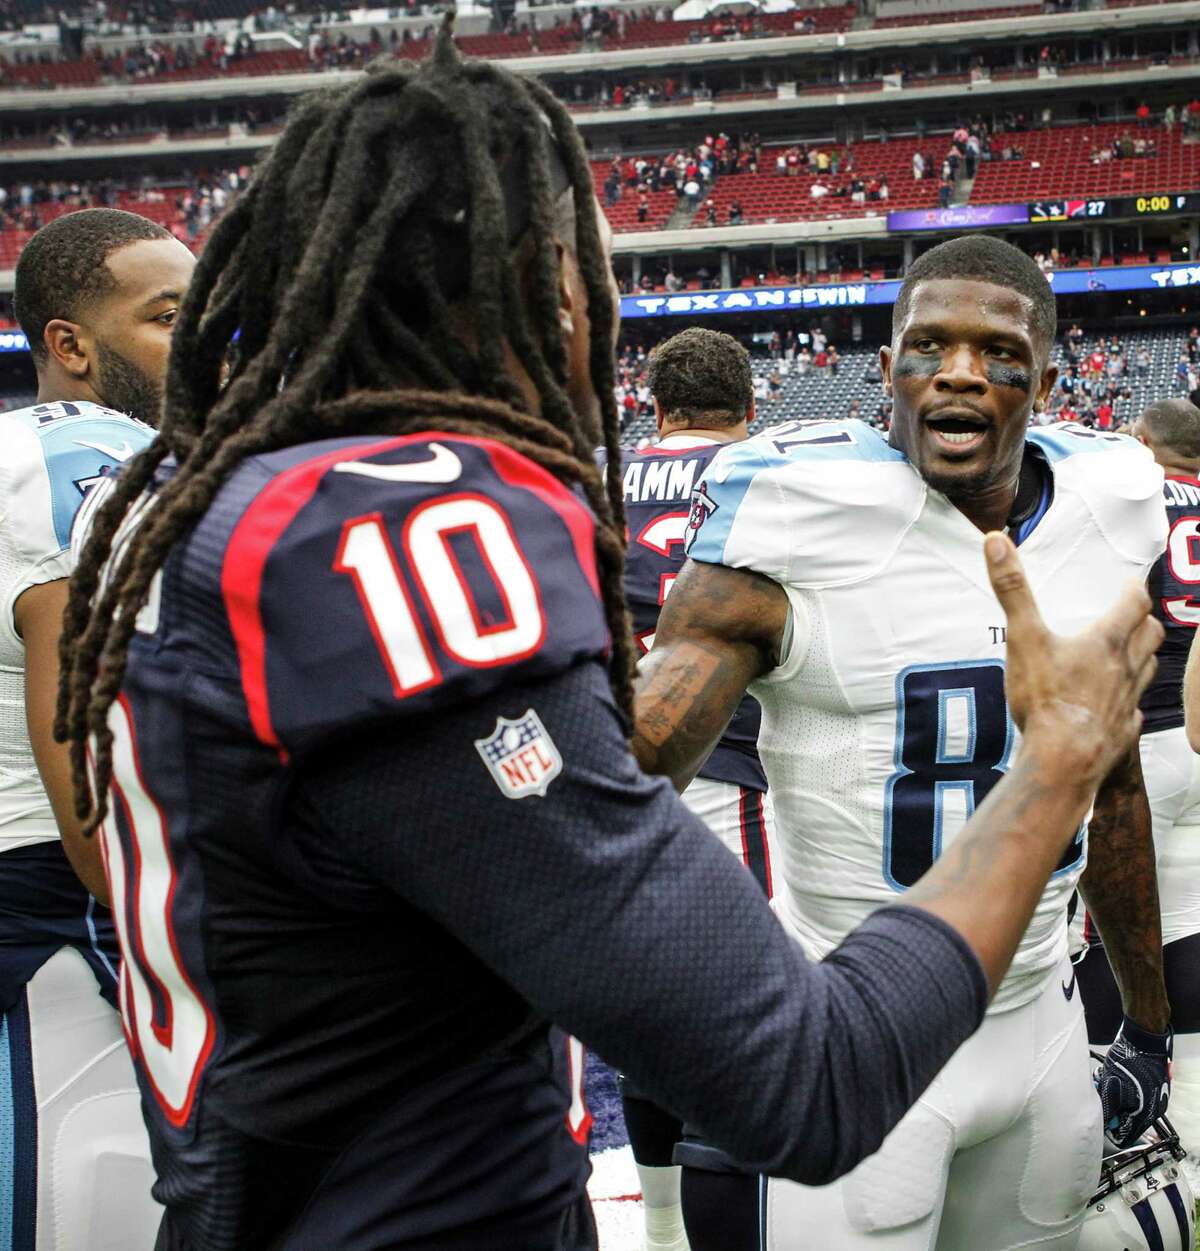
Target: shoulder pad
pixel 780 503
pixel 1118 479
pixel 369 579
pixel 53 455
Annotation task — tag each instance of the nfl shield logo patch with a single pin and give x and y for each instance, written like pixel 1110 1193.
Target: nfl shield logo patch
pixel 520 755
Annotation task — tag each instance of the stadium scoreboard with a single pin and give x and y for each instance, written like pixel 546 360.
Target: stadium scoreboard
pixel 1161 204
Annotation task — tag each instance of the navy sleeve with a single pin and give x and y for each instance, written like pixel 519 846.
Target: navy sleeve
pixel 381 580
pixel 616 914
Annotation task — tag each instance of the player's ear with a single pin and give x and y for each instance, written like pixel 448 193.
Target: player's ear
pixel 65 346
pixel 572 297
pixel 752 411
pixel 1046 387
pixel 658 415
pixel 885 367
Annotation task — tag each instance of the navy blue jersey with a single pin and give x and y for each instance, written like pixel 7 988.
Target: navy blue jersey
pixel 658 493
pixel 375 822
pixel 342 588
pixel 1174 584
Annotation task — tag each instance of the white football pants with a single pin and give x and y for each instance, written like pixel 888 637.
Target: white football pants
pixel 1002 1151
pixel 63 1061
pixel 742 819
pixel 1172 773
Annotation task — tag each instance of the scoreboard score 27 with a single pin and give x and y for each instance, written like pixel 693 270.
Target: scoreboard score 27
pixel 1157 205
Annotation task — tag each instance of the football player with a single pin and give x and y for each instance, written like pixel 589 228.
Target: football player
pixel 839 573
pixel 350 651
pixel 97 293
pixel 703 400
pixel 1171 430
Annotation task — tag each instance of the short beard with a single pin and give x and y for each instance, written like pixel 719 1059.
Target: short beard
pixel 126 388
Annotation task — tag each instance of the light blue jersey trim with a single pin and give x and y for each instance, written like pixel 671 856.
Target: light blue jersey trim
pixel 81 443
pixel 717 498
pixel 1070 439
pixel 733 470
pixel 91 929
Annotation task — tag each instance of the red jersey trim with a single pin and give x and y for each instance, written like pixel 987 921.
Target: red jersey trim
pixel 279 502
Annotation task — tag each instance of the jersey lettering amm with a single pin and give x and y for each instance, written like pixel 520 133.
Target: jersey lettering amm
pixel 1173 587
pixel 886 725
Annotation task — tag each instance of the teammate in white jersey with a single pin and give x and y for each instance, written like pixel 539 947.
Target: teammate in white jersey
pixel 96 294
pixel 842 576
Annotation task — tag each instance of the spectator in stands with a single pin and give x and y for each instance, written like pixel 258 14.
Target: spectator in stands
pixel 818 190
pixel 834 358
pixel 803 362
pixel 918 166
pixel 735 213
pixel 821 361
pixel 944 193
pixel 612 186
pixel 873 373
pixel 710 212
pixel 1142 360
pixel 1182 369
pixel 774 386
pixel 972 155
pixel 855 411
pixel 1142 113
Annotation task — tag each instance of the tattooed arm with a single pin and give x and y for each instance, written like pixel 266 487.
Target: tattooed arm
pixel 1120 887
pixel 719 629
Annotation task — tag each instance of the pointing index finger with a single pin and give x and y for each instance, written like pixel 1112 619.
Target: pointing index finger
pixel 1007 576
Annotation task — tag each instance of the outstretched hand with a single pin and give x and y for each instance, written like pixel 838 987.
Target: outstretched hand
pixel 1078 695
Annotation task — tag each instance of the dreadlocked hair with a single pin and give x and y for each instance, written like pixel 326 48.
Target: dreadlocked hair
pixel 329 293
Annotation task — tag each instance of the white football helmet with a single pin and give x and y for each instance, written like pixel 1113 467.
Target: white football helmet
pixel 1143 1202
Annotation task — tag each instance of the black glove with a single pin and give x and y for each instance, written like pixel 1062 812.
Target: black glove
pixel 1134 1082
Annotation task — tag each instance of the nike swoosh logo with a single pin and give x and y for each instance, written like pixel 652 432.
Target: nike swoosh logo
pixel 119 454
pixel 1068 989
pixel 442 466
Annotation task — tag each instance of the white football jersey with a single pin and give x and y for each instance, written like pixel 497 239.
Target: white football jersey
pixel 50 456
pixel 886 723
